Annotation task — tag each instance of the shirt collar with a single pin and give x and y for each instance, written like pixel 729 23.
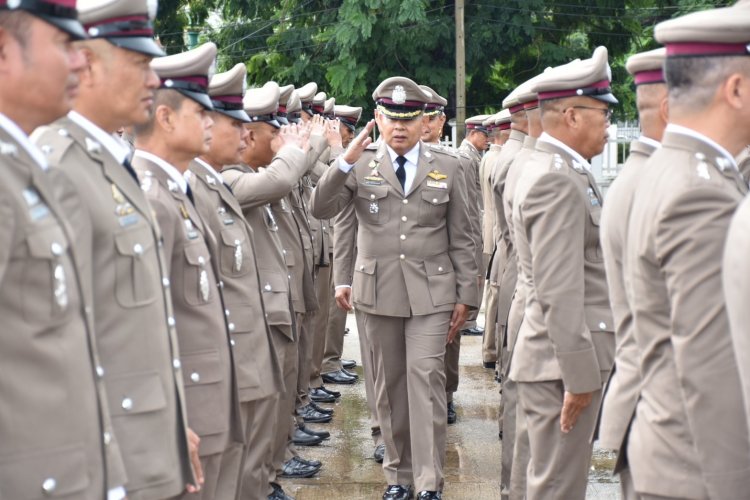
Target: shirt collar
pixel 576 156
pixel 651 142
pixel 23 140
pixel 110 143
pixel 679 129
pixel 171 171
pixel 412 156
pixel 210 170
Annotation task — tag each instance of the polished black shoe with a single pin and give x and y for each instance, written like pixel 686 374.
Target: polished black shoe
pixel 379 453
pixel 351 374
pixel 301 438
pixel 320 396
pixel 475 330
pixel 311 415
pixel 338 377
pixel 335 394
pixel 278 493
pixel 430 495
pixel 321 434
pixel 490 365
pixel 295 469
pixel 320 409
pixel 451 413
pixel 398 492
pixel 311 463
pixel 348 363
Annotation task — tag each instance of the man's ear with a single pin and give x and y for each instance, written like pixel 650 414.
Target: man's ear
pixel 8 43
pixel 164 117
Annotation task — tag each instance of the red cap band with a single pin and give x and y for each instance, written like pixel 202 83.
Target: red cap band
pixel 543 96
pixel 707 49
pixel 646 77
pixel 516 108
pixel 531 104
pixel 504 126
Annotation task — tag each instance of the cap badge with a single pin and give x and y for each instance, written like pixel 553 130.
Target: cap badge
pixel 399 95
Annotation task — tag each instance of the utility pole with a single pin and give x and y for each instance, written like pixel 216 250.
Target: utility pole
pixel 460 73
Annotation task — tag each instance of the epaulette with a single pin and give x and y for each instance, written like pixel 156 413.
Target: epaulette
pixel 53 142
pixel 439 148
pixel 557 164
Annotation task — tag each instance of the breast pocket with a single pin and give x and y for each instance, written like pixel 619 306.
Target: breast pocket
pixel 441 280
pixel 433 207
pixel 235 253
pixel 135 267
pixel 203 374
pixel 365 281
pixel 59 473
pixel 372 204
pixel 593 249
pixel 49 281
pixel 196 275
pixel 275 288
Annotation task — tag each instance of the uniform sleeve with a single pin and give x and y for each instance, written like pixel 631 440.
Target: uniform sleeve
pixel 690 238
pixel 344 245
pixel 271 183
pixel 167 222
pixel 553 217
pixel 334 191
pixel 7 232
pixel 462 246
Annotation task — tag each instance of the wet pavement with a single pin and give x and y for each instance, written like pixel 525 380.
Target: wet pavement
pixel 473 449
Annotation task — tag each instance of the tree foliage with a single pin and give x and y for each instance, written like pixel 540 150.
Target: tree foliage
pixel 349 46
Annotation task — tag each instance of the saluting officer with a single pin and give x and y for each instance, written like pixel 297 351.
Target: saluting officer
pixel 565 346
pixel 178 131
pixel 434 110
pixel 622 390
pixel 415 276
pixel 118 235
pixel 54 422
pixel 689 437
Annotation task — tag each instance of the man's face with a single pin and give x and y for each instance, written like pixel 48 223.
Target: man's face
pixel 229 140
pixel 478 139
pixel 346 135
pixel 433 128
pixel 400 135
pixel 193 128
pixel 593 135
pixel 41 75
pixel 263 143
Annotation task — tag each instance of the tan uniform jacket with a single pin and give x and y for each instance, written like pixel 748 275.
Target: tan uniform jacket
pixel 472 159
pixel 258 369
pixel 618 404
pixel 415 256
pixel 566 330
pixel 119 239
pixel 54 422
pixel 207 364
pixel 318 158
pixel 488 202
pixel 689 438
pixel 344 245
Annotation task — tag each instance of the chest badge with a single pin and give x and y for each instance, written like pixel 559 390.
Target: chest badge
pixel 374 207
pixel 237 256
pixel 436 175
pixel 593 198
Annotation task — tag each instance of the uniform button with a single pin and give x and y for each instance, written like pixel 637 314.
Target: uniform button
pixel 440 269
pixel 406 202
pixel 404 219
pixel 49 485
pixel 201 260
pixel 56 250
pixel 176 364
pixel 165 282
pixel 138 249
pixel 231 342
pixel 283 251
pixel 170 321
pixel 361 268
pixel 288 276
pixel 266 315
pixel 231 327
pixel 602 325
pixel 107 438
pixel 221 284
pixel 372 196
pixel 267 287
pixel 226 312
pixel 195 377
pixel 402 256
pixel 99 371
pixel 236 242
pixel 127 404
pixel 434 200
pixel 87 309
pixel 403 237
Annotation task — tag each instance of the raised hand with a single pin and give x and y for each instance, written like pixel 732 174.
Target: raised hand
pixel 358 144
pixel 333 135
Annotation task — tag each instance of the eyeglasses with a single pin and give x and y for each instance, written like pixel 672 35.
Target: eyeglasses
pixel 606 111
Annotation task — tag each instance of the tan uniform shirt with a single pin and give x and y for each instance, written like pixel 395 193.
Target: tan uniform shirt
pixel 689 437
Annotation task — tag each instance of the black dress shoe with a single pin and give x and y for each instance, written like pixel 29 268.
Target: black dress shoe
pixel 348 363
pixel 430 495
pixel 321 434
pixel 398 492
pixel 320 396
pixel 278 493
pixel 475 330
pixel 451 413
pixel 320 409
pixel 351 374
pixel 379 454
pixel 335 394
pixel 311 463
pixel 294 469
pixel 301 438
pixel 338 377
pixel 490 365
pixel 311 415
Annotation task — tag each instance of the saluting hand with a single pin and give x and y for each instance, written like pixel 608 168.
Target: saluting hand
pixel 294 135
pixel 458 318
pixel 333 136
pixel 573 406
pixel 358 145
pixel 193 443
pixel 344 298
pixel 317 125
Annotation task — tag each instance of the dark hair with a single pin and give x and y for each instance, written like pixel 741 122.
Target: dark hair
pixel 170 98
pixel 693 81
pixel 18 24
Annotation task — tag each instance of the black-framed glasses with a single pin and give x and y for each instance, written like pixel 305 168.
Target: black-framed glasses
pixel 607 111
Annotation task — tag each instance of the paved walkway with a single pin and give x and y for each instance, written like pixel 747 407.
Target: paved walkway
pixel 473 448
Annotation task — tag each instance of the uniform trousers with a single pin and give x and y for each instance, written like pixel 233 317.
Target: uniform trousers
pixel 258 418
pixel 452 355
pixel 509 406
pixel 489 340
pixel 559 463
pixel 627 488
pixel 520 458
pixel 283 422
pixel 320 326
pixel 368 364
pixel 471 319
pixel 305 334
pixel 410 390
pixel 219 485
pixel 334 336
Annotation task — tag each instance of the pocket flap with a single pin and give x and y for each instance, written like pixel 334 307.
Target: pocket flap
pixel 201 368
pixel 366 265
pixel 271 281
pixel 47 243
pixel 372 192
pixel 233 236
pixel 436 197
pixel 598 320
pixel 135 393
pixel 134 242
pixel 47 474
pixel 440 264
pixel 197 254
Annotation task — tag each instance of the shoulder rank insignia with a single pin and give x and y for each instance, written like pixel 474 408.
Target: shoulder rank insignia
pixel 172 185
pixel 8 149
pixel 437 175
pixel 702 170
pixel 210 179
pixel 92 146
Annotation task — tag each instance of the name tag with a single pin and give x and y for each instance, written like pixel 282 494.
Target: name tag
pixel 128 220
pixel 437 184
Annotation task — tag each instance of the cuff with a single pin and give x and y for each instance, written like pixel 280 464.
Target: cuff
pixel 342 286
pixel 580 371
pixel 344 166
pixel 116 493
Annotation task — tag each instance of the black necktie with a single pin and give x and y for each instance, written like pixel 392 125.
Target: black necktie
pixel 189 193
pixel 228 188
pixel 401 171
pixel 130 170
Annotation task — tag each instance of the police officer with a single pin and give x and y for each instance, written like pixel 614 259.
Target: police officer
pixel 415 276
pixel 119 237
pixel 54 424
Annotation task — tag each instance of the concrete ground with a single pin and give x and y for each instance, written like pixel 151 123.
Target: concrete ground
pixel 473 449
